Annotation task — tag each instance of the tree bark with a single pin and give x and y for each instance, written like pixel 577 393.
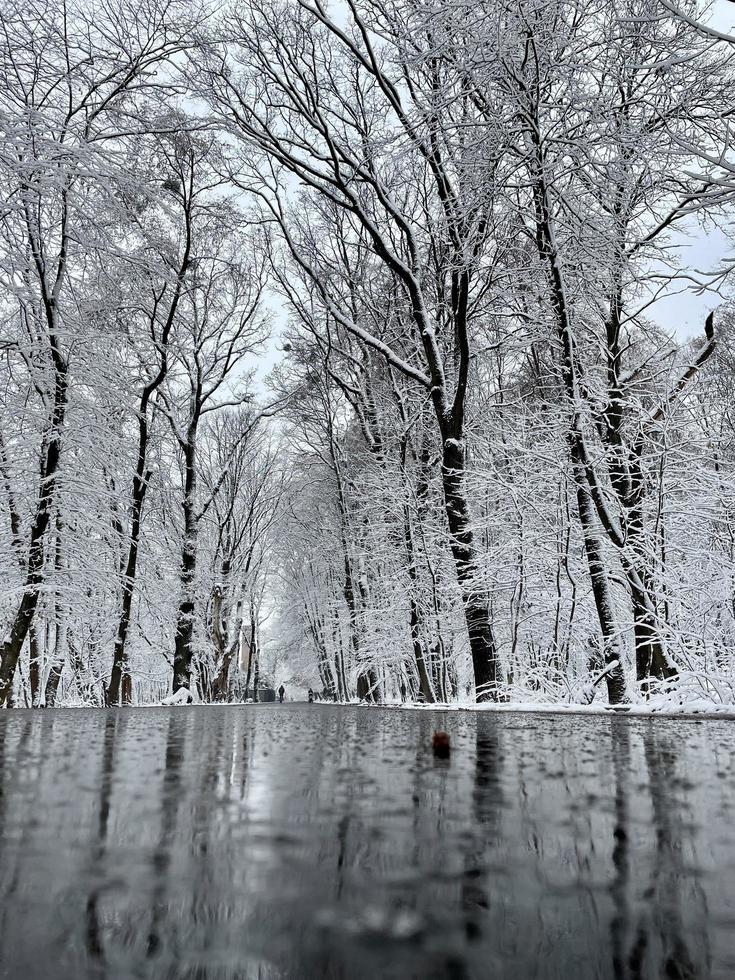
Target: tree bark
pixel 221 683
pixel 60 626
pixel 10 650
pixel 601 589
pixel 120 659
pixel 183 646
pixel 414 613
pixel 256 676
pixel 483 648
pixel 219 644
pixel 35 665
pixel 251 648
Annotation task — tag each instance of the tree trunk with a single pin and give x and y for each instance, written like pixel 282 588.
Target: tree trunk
pixel 339 657
pixel 373 685
pixel 59 653
pixel 615 678
pixel 650 659
pixel 120 659
pixel 10 650
pixel 414 610
pixel 127 688
pixel 140 485
pixel 52 684
pixel 547 250
pixel 35 666
pixel 414 613
pixel 326 674
pixel 483 649
pixel 222 655
pixel 348 592
pixel 183 647
pixel 221 683
pixel 252 648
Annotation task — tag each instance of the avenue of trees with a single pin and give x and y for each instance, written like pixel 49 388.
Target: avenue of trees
pixel 349 343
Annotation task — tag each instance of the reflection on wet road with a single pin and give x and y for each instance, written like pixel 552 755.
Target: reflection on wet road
pixel 317 841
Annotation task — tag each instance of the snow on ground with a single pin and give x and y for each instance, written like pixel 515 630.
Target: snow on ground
pixel 691 695
pixel 182 696
pixel 641 710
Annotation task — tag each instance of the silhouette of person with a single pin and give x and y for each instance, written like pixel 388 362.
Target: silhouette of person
pixel 281 692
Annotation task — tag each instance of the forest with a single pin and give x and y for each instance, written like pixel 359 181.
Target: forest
pixel 383 347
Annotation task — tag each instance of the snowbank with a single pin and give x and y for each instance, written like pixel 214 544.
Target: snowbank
pixel 182 696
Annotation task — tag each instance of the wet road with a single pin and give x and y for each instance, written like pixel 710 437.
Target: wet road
pixel 316 841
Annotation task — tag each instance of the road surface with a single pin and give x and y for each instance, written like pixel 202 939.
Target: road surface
pixel 301 841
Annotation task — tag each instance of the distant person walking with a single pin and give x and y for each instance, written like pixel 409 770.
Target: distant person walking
pixel 281 692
